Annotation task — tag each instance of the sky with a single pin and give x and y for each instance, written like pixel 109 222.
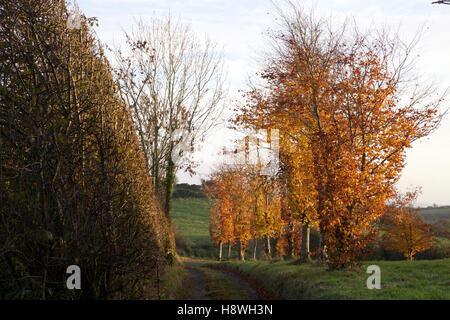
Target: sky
pixel 239 26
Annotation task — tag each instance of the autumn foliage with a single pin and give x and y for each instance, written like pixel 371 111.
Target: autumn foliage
pixel 336 98
pixel 404 230
pixel 245 207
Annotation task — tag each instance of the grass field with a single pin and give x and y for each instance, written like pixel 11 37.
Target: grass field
pixel 191 218
pixel 426 279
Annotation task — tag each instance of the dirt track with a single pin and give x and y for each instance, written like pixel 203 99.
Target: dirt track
pixel 198 289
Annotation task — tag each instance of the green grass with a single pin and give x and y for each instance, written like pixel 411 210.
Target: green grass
pixel 425 279
pixel 173 283
pixel 191 218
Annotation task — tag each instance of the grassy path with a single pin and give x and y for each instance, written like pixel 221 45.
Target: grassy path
pixel 196 282
pixel 208 283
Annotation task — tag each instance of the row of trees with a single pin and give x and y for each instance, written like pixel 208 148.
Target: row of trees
pixel 247 206
pixel 88 151
pixel 337 97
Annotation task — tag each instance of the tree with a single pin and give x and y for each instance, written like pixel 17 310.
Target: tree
pixel 336 93
pixel 297 175
pixel 405 230
pixel 264 198
pixel 173 83
pixel 221 219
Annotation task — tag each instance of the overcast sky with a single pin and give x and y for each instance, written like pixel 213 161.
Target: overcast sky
pixel 238 26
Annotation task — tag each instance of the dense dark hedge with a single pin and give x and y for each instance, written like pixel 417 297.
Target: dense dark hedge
pixel 184 190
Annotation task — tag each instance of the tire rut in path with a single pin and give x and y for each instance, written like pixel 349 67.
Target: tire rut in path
pixel 197 282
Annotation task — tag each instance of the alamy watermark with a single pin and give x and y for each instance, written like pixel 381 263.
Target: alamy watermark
pixel 374 281
pixel 74 20
pixel 74 280
pixel 261 148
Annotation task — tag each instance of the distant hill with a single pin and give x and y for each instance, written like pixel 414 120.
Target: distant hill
pixel 434 214
pixel 186 191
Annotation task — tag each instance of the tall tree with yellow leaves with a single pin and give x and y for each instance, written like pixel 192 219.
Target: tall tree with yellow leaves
pixel 221 216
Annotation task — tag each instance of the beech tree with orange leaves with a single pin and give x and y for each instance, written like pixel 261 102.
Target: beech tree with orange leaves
pixel 231 216
pixel 336 94
pixel 221 218
pixel 300 193
pixel 265 201
pixel 404 229
pixel 246 204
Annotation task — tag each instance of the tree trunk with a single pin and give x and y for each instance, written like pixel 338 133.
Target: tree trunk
pixel 290 250
pixel 241 251
pixel 229 250
pixel 267 249
pixel 304 254
pixel 170 179
pixel 254 249
pixel 168 185
pixel 320 240
pixel 322 247
pixel 220 250
pixel 155 160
